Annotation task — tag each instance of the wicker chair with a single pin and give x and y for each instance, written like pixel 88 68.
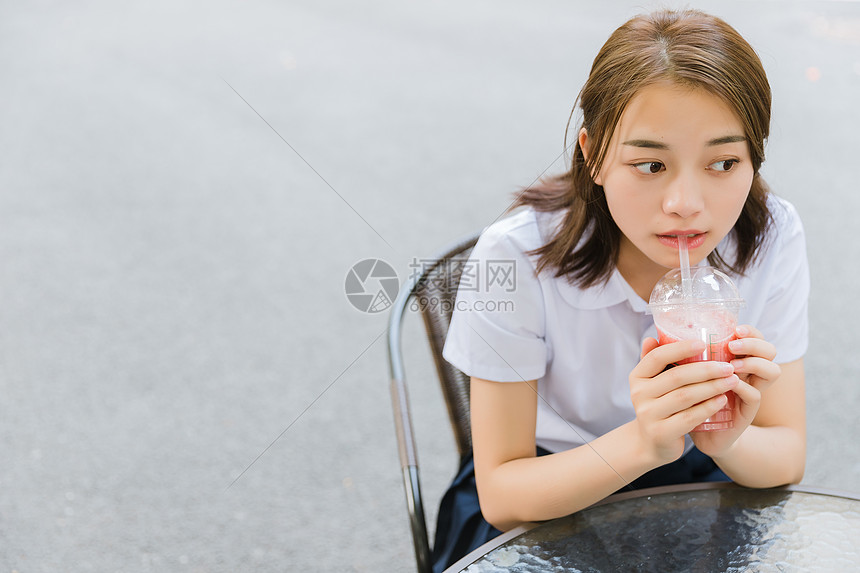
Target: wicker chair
pixel 434 290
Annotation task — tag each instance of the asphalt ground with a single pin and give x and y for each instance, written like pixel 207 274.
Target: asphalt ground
pixel 184 186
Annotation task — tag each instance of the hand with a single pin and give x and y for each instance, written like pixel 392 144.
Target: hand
pixel 754 356
pixel 669 402
pixel 754 366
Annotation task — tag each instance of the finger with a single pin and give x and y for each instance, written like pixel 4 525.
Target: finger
pixel 748 331
pixel 747 392
pixel 753 347
pixel 685 420
pixel 688 396
pixel 656 361
pixel 758 367
pixel 750 399
pixel 688 375
pixel 648 345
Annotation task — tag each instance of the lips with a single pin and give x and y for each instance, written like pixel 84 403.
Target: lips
pixel 695 238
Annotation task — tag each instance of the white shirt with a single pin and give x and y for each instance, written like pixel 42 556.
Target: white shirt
pixel 510 325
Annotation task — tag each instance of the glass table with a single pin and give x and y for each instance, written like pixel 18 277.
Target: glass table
pixel 691 527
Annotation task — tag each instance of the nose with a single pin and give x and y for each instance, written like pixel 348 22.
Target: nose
pixel 683 197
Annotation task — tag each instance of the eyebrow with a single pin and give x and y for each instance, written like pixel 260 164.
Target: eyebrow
pixel 648 144
pixel 726 139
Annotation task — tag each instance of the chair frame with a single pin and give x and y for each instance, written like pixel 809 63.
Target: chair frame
pixel 400 402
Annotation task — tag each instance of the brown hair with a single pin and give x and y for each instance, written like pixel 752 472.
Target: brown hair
pixel 688 48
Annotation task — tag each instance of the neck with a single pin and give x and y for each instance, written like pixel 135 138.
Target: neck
pixel 640 272
pixel 643 283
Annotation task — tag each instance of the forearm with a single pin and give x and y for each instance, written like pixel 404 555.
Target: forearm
pixel 546 487
pixel 765 457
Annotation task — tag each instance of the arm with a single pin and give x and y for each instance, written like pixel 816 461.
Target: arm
pixel 515 486
pixel 771 451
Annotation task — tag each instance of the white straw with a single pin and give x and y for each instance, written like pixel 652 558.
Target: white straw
pixel 686 283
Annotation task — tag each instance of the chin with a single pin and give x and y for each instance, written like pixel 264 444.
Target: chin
pixel 675 263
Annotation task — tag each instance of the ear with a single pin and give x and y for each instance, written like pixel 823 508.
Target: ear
pixel 583 145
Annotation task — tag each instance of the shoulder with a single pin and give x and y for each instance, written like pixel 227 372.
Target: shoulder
pixel 784 215
pixel 776 288
pixel 519 233
pixel 785 235
pixel 782 262
pixel 519 228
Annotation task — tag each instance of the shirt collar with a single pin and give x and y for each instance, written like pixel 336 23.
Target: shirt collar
pixel 612 292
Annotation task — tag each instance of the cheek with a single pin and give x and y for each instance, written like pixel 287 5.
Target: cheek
pixel 629 208
pixel 730 202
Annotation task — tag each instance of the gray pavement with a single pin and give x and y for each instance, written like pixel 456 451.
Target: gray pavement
pixel 184 385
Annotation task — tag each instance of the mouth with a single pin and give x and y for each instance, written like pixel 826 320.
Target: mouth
pixel 695 239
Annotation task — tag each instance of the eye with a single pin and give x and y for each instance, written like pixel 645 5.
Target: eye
pixel 723 165
pixel 649 167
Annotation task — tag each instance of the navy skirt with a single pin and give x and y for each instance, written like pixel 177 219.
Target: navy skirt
pixel 460 527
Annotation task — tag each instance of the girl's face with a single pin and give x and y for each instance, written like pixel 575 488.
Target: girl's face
pixel 677 164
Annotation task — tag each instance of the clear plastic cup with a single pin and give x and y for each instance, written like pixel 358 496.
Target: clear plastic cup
pixel 704 308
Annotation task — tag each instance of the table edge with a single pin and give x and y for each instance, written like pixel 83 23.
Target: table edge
pixel 645 492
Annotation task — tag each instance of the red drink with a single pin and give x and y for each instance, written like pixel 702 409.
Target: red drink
pixel 716 350
pixel 699 303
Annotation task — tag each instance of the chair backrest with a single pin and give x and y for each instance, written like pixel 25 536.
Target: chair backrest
pixel 432 290
pixel 436 295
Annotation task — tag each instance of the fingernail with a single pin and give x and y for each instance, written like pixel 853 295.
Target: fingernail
pixel 731 381
pixel 742 331
pixel 699 346
pixel 737 364
pixel 736 345
pixel 727 368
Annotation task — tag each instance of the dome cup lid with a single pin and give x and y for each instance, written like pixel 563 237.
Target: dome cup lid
pixel 708 286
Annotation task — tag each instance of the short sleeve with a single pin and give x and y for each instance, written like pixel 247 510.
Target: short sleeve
pixel 784 320
pixel 498 325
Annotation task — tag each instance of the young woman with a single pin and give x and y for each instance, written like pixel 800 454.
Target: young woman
pixel 571 397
